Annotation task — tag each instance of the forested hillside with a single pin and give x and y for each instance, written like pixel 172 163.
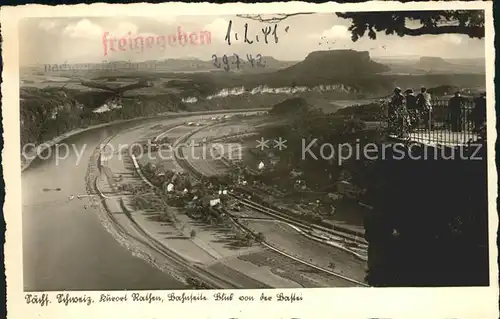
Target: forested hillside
pixel 46 113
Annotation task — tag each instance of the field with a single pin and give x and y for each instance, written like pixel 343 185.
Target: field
pixel 220 131
pixel 285 238
pixel 267 268
pixel 284 267
pixel 205 159
pixel 217 240
pixel 164 157
pixel 248 213
pixel 174 237
pixel 247 282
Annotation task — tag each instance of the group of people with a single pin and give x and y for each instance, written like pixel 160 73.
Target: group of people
pixel 408 111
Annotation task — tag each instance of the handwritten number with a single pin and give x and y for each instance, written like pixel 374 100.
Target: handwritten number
pixel 228 33
pixel 255 62
pixel 275 34
pixel 226 63
pixel 250 59
pixel 214 61
pixel 237 61
pixel 266 31
pixel 246 34
pixel 259 61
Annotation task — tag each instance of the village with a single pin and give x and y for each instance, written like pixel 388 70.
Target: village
pixel 215 199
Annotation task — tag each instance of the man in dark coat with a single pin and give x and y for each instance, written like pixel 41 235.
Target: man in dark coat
pixel 455 108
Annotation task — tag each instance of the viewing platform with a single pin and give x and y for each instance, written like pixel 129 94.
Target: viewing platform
pixel 442 128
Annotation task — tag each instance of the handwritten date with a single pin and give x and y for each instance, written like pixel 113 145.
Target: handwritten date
pixel 236 62
pixel 268 34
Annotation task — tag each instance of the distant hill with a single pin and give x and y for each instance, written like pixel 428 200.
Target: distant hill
pixel 440 65
pixel 449 90
pixel 273 63
pixel 355 70
pixel 443 90
pixel 352 69
pixel 168 65
pixel 269 64
pixel 432 65
pixel 334 64
pixel 473 61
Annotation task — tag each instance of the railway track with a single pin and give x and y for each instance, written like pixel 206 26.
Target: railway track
pixel 194 271
pixel 310 227
pixel 265 210
pixel 189 270
pixel 262 209
pixel 346 234
pixel 271 211
pixel 357 282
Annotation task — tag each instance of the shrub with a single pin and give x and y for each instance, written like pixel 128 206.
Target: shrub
pixel 260 237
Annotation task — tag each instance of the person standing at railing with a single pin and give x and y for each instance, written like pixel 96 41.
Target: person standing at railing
pixel 455 108
pixel 424 106
pixel 478 114
pixel 411 105
pixel 398 114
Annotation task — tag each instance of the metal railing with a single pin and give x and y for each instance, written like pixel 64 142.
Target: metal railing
pixel 443 126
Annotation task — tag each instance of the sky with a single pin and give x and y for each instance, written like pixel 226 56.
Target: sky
pixel 80 40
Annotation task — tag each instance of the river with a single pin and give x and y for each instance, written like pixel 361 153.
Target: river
pixel 65 247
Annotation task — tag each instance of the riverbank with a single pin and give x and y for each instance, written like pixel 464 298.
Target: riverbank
pixel 64 243
pixel 27 158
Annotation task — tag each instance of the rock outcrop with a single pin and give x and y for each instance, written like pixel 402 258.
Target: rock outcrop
pixel 335 64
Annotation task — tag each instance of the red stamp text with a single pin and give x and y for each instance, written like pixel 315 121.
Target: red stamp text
pixel 137 43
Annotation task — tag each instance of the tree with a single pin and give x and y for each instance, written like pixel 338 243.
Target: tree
pixel 468 22
pixel 274 19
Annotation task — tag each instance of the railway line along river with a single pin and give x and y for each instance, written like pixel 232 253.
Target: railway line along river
pixel 65 245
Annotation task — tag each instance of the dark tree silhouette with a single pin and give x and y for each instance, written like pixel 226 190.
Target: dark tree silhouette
pixel 275 18
pixel 402 23
pixel 469 22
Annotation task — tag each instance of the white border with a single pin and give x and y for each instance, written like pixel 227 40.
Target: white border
pixel 440 303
